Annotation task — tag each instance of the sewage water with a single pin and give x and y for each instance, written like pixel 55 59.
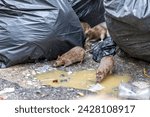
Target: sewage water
pixel 82 80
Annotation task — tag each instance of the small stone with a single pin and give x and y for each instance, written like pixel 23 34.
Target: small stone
pixel 64 80
pixel 70 89
pixel 70 72
pixel 43 69
pixel 7 90
pixel 62 75
pixel 28 75
pixel 29 83
pixel 77 96
pixel 80 94
pixel 33 72
pixel 91 69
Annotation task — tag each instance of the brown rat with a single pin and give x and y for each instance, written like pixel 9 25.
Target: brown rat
pixel 74 55
pixel 105 68
pixel 95 33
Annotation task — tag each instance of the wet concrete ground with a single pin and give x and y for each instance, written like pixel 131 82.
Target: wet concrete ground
pixel 22 78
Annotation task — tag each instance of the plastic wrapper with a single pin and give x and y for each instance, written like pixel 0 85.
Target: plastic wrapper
pixel 102 49
pixel 129 91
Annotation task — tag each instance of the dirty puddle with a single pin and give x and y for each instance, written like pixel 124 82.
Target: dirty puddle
pixel 82 80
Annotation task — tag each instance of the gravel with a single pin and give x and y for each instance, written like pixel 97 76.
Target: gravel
pixel 27 87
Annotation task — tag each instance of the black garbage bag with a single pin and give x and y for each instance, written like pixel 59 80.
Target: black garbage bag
pixel 128 22
pixel 102 49
pixel 37 29
pixel 90 11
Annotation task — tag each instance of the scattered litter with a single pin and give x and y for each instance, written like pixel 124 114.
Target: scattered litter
pixel 80 94
pixel 81 80
pixel 70 72
pixel 63 80
pixel 96 87
pixel 7 90
pixel 55 81
pixel 141 84
pixel 90 69
pixel 43 69
pixel 29 82
pixel 62 75
pixel 129 91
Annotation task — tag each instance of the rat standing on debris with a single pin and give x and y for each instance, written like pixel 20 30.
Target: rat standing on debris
pixel 95 33
pixel 105 68
pixel 74 55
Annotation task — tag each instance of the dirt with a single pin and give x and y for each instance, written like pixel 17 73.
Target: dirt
pixel 27 86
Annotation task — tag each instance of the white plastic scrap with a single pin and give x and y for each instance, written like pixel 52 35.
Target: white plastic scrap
pixel 7 90
pixel 70 72
pixel 96 87
pixel 141 84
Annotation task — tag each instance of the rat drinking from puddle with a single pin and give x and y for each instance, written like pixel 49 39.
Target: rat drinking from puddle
pixel 105 68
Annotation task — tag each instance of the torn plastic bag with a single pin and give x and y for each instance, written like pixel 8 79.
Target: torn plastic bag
pixel 129 91
pixel 90 11
pixel 128 22
pixel 102 49
pixel 37 29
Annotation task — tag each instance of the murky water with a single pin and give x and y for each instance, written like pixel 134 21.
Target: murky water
pixel 82 80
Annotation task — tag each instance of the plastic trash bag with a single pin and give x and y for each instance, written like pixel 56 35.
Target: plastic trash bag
pixel 129 91
pixel 37 29
pixel 102 49
pixel 90 11
pixel 128 22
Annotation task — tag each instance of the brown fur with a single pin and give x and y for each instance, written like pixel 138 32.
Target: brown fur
pixel 87 45
pixel 105 68
pixel 85 26
pixel 74 55
pixel 95 33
